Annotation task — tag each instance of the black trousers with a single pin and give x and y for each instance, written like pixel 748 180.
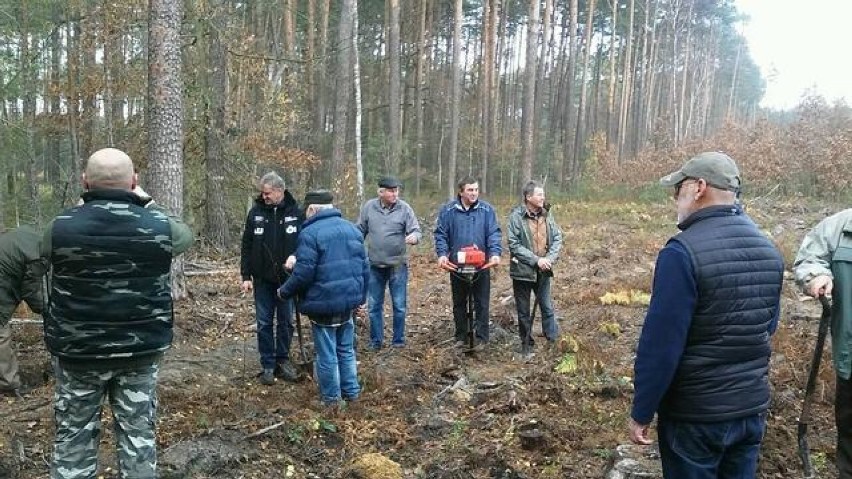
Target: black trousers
pixel 843 420
pixel 481 290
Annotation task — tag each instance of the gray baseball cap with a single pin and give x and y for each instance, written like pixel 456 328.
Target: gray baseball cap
pixel 716 168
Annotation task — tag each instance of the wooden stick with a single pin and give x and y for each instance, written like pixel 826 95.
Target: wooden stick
pixel 265 430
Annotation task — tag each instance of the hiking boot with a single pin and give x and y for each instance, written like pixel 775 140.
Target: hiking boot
pixel 267 377
pixel 286 371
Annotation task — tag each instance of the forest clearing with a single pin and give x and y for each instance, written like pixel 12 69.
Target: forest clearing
pixel 434 412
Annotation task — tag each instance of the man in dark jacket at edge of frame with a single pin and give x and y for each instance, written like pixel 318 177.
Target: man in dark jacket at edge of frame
pixel 823 267
pixel 702 364
pixel 21 271
pixel 268 244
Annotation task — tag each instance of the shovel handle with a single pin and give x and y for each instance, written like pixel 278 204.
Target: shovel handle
pixel 805 416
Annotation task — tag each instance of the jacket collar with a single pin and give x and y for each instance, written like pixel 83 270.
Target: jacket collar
pixel 113 194
pixel 286 200
pixel 710 212
pixel 457 204
pixel 322 214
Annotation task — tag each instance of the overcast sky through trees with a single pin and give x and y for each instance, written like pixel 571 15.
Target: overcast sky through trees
pixel 798 47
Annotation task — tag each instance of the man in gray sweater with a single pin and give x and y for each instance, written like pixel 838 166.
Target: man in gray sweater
pixel 389 225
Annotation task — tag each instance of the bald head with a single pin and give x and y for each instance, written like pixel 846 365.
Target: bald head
pixel 109 168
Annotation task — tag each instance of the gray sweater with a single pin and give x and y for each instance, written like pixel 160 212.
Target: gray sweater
pixel 385 230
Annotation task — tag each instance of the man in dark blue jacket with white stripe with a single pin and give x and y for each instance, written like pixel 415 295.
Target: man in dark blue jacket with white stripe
pixel 468 221
pixel 330 278
pixel 702 364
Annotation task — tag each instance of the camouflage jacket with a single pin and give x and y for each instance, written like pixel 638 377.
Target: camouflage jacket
pixel 109 284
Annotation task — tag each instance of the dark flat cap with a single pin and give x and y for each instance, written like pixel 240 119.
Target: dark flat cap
pixel 389 182
pixel 319 197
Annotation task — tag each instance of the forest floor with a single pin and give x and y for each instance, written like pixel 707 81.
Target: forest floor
pixel 434 411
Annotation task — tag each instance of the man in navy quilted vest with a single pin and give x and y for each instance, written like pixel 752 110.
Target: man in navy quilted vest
pixel 109 316
pixel 702 365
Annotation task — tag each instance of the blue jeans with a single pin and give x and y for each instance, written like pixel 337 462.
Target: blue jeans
pixel 336 370
pixel 714 450
pixel 273 338
pixel 396 279
pixel 522 290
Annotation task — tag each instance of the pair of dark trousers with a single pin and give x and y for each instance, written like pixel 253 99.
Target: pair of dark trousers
pixel 274 324
pixel 522 291
pixel 843 420
pixel 711 450
pixel 480 288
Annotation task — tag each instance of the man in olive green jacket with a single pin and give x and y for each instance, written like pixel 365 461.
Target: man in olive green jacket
pixel 535 241
pixel 20 280
pixel 823 267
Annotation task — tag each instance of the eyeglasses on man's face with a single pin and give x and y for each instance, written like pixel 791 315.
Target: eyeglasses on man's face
pixel 679 186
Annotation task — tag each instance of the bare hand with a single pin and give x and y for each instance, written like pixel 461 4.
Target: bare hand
pixel 820 286
pixel 138 191
pixel 494 261
pixel 290 263
pixel 444 263
pixel 245 286
pixel 545 264
pixel 639 433
pixel 411 239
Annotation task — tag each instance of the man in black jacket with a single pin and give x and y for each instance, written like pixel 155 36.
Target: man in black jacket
pixel 269 241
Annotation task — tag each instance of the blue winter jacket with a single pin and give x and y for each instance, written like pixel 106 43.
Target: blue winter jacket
pixel 330 276
pixel 458 227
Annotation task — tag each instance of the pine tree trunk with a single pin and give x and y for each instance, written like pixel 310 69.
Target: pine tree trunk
pixel 216 221
pixel 528 114
pixel 455 98
pixel 393 88
pixel 356 76
pixel 344 88
pixel 626 87
pixel 165 115
pixel 579 131
pixel 420 109
pixel 322 69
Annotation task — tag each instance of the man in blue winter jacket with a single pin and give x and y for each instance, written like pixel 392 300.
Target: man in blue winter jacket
pixel 702 365
pixel 463 222
pixel 330 278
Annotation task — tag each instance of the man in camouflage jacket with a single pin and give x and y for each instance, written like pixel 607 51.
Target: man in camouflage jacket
pixel 20 280
pixel 109 316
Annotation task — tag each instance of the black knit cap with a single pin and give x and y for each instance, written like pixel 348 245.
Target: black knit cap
pixel 318 197
pixel 389 182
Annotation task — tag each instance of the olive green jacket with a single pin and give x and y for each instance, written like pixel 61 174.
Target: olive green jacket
pixel 827 250
pixel 21 271
pixel 523 265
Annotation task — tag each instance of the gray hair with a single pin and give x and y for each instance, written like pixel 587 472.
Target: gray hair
pixel 314 208
pixel 530 187
pixel 272 179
